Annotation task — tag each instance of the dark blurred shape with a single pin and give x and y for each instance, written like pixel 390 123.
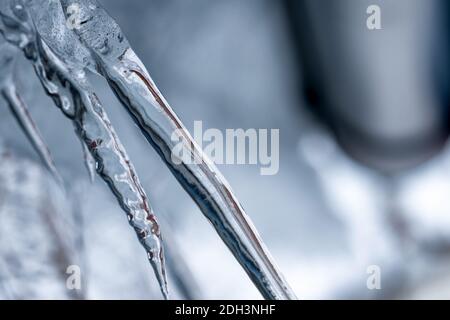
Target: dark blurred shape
pixel 383 93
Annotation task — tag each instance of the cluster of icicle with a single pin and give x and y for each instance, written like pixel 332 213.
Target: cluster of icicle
pixel 62 57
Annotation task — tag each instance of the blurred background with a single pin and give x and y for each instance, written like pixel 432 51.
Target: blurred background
pixel 364 176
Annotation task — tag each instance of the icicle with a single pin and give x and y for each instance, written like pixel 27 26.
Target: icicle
pixel 179 270
pixel 71 92
pixel 130 81
pixel 89 162
pixel 20 111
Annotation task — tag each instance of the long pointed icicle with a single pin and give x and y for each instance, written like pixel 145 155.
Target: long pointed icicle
pixel 132 84
pixel 70 90
pixel 20 111
pixel 178 267
pixel 89 162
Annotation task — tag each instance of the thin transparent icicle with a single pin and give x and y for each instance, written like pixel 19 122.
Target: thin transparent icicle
pixel 19 109
pixel 112 163
pixel 132 84
pixel 69 88
pixel 181 274
pixel 89 162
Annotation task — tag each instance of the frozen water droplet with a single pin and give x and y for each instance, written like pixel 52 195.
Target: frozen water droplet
pixel 66 105
pixel 18 10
